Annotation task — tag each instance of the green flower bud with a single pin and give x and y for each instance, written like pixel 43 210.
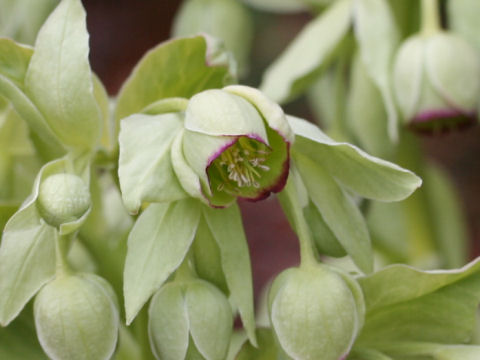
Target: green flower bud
pixel 63 198
pixel 437 82
pixel 227 20
pixel 236 144
pixel 190 319
pixel 316 312
pixel 76 317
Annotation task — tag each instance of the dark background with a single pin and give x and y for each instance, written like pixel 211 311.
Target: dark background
pixel 121 31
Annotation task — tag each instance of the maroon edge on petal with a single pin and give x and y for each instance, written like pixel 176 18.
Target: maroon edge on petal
pixel 279 185
pixel 441 121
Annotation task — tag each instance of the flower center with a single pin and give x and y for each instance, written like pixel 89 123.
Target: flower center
pixel 241 165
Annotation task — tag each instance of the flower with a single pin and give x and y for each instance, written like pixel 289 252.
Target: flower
pixel 236 142
pixel 437 82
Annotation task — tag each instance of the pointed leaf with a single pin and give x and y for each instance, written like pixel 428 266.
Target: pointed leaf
pixel 378 37
pixel 294 70
pixel 368 176
pixel 157 245
pixel 156 76
pixel 145 170
pixel 14 60
pixel 339 212
pixel 59 80
pixel 227 229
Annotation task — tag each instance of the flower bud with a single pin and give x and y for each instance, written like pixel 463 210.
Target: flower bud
pixel 437 82
pixel 237 144
pixel 76 317
pixel 63 198
pixel 316 312
pixel 190 318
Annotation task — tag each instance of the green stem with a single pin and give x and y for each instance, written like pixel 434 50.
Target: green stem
pixel 289 200
pixel 61 251
pixel 430 17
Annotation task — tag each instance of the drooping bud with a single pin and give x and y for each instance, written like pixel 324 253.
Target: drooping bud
pixel 237 144
pixel 437 82
pixel 316 312
pixel 190 318
pixel 63 198
pixel 76 317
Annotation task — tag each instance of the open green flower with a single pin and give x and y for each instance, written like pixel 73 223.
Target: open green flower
pixel 437 82
pixel 235 144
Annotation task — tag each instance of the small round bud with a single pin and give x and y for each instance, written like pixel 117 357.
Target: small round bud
pixel 76 318
pixel 63 198
pixel 316 312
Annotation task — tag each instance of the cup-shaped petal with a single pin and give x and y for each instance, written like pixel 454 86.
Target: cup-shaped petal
pixel 316 312
pixel 190 317
pixel 76 317
pixel 237 142
pixel 437 82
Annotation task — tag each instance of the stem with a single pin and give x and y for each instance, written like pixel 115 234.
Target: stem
pixel 430 17
pixel 61 251
pixel 289 200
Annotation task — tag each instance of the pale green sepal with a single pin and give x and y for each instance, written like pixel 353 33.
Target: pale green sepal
pixel 156 76
pixel 14 60
pixel 463 19
pixel 26 261
pixel 210 319
pixel 157 245
pixel 200 150
pixel 378 37
pixel 59 79
pixel 227 230
pixel 408 74
pixel 145 167
pixel 75 318
pixel 290 73
pixel 368 176
pixel 338 210
pixel 457 352
pixel 168 324
pixel 455 79
pixel 219 113
pixel 107 139
pixel 271 111
pixel 189 180
pixel 169 105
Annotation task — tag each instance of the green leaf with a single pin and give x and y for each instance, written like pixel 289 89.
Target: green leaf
pixel 28 246
pixel 18 341
pixel 366 113
pixel 59 79
pixel 157 245
pixel 267 348
pixel 406 304
pixel 463 19
pixel 227 230
pixel 449 224
pixel 13 61
pixel 296 68
pixel 368 176
pixel 278 6
pixel 145 169
pixel 156 76
pixel 378 36
pixel 338 210
pixel 367 354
